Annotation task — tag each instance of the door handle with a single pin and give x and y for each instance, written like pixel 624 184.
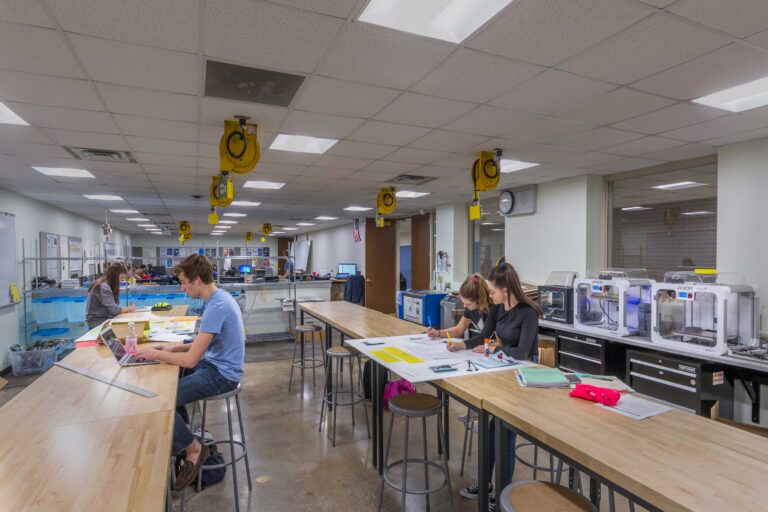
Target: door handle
pixel 369 281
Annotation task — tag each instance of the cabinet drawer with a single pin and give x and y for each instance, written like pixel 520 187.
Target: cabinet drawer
pixel 684 396
pixel 664 373
pixel 579 363
pixel 585 347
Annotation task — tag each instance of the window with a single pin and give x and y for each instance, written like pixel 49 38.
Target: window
pixel 487 237
pixel 665 221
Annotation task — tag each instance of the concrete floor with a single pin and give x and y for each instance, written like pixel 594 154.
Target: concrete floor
pixel 306 472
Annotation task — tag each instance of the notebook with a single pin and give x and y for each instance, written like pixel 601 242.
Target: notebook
pixel 543 378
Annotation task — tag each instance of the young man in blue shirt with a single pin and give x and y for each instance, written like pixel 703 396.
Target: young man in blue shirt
pixel 215 358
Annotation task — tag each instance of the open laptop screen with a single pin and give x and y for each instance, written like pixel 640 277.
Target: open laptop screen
pixel 113 342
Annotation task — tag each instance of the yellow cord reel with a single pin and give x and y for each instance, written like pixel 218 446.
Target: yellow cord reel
pixel 386 202
pixel 485 172
pixel 239 150
pixel 222 191
pixel 184 228
pixel 266 229
pixel 248 236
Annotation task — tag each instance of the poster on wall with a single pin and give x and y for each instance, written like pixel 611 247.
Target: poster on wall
pixel 176 252
pixel 169 252
pixel 75 246
pixel 168 263
pixel 259 252
pixel 201 252
pixel 52 251
pixel 266 252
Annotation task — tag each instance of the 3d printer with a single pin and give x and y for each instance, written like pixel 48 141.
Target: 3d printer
pixel 555 297
pixel 613 301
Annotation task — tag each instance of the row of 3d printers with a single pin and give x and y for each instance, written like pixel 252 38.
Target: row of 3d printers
pixel 700 313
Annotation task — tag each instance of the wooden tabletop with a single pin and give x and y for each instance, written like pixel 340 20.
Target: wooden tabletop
pixel 675 461
pixel 359 322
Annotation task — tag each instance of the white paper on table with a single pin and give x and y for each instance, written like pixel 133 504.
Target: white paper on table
pixel 169 338
pixel 635 407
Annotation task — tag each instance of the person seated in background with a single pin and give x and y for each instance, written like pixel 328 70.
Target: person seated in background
pixel 476 297
pixel 142 273
pixel 215 358
pixel 104 296
pixel 514 320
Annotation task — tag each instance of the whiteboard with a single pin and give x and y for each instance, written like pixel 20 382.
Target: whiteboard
pixel 300 253
pixel 7 255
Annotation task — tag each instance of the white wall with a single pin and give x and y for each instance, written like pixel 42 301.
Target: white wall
pixel 567 232
pixel 452 230
pixel 33 216
pixel 742 223
pixel 335 245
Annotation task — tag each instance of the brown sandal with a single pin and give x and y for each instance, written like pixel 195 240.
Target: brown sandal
pixel 189 471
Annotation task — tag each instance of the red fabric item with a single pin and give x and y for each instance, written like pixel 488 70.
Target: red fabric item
pixel 596 394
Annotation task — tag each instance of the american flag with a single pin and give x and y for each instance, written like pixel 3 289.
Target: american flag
pixel 356 231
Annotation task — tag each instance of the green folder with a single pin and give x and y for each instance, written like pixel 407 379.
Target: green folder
pixel 544 378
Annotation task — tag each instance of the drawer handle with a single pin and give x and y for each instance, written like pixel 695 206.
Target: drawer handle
pixel 659 367
pixel 579 356
pixel 663 382
pixel 585 342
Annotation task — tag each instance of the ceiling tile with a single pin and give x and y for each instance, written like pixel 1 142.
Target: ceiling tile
pixel 652 45
pixel 43 51
pixel 547 32
pixel 264 34
pixel 215 111
pixel 337 8
pixel 319 125
pixel 163 129
pixel 360 149
pixel 146 103
pixel 739 137
pixel 669 118
pixel 390 167
pixel 740 18
pixel 614 106
pixel 552 91
pixel 162 146
pixel 659 3
pixel 86 139
pixel 720 127
pixel 599 138
pixel 26 12
pixel 415 156
pixel 468 75
pixel 369 54
pixel 341 162
pixel 287 157
pixel 339 97
pixel 157 159
pixel 17 133
pixel 490 121
pixel 546 130
pixel 640 146
pixel 369 177
pixel 627 164
pixel 726 67
pixel 542 154
pixel 48 90
pixel 585 159
pixel 421 110
pixel 326 173
pixel 441 140
pixel 53 117
pixel 140 66
pixel 388 133
pixel 208 150
pixel 682 152
pixel 33 149
pixel 760 39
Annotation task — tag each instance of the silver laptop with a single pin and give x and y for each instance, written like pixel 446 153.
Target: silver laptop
pixel 111 340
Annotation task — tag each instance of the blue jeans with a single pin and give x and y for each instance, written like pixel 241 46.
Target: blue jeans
pixel 511 440
pixel 203 381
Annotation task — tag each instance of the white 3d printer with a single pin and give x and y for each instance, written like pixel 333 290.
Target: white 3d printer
pixel 705 317
pixel 613 301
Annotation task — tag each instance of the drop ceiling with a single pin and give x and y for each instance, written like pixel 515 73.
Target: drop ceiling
pixel 588 87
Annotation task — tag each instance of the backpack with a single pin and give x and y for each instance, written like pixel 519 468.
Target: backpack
pixel 396 387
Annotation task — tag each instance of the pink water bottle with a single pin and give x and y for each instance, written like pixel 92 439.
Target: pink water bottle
pixel 130 339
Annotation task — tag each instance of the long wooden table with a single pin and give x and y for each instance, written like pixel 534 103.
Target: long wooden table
pixel 74 443
pixel 673 462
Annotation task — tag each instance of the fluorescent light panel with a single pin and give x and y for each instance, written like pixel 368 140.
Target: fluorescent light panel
pixel 515 165
pixel 217 233
pixel 223 227
pixel 302 144
pixel 679 185
pixel 234 214
pixel 125 211
pixel 634 208
pixel 291 229
pixel 227 222
pixel 410 194
pixel 447 20
pixel 357 208
pixel 138 219
pixel 278 232
pixel 742 97
pixel 146 225
pixel 325 217
pixel 703 212
pixel 245 203
pixel 107 197
pixel 305 224
pixel 8 116
pixel 156 232
pixel 267 185
pixel 64 172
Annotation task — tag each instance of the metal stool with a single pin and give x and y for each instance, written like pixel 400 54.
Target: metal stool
pixel 538 496
pixel 415 405
pixel 331 395
pixel 535 465
pixel 302 362
pixel 231 442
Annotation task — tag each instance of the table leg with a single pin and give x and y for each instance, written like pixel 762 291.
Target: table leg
pixel 500 433
pixel 375 409
pixel 437 427
pixel 482 460
pixel 594 491
pixel 380 380
pixel 446 426
pixel 301 316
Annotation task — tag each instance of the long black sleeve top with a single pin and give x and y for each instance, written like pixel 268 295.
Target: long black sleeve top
pixel 517 329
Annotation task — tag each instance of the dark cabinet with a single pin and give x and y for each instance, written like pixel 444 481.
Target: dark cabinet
pixel 582 353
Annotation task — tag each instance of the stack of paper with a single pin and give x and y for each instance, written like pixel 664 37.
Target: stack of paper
pixel 635 407
pixel 543 378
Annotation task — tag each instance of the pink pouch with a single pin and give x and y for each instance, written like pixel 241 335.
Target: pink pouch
pixel 597 394
pixel 394 388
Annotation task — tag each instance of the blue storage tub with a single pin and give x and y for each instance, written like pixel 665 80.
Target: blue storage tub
pixel 50 332
pixel 50 310
pixel 76 307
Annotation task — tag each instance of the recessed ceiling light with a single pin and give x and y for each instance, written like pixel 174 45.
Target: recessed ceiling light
pixel 305 224
pixel 8 116
pixel 739 98
pixel 64 172
pixel 488 223
pixel 448 20
pixel 357 208
pixel 156 232
pixel 634 208
pixel 146 225
pixel 291 229
pixel 217 233
pixel 138 219
pixel 278 232
pixel 410 194
pixel 223 227
pixel 497 229
pixel 234 214
pixel 268 185
pixel 515 165
pixel 106 197
pixel 302 144
pixel 325 217
pixel 680 185
pixel 150 229
pixel 125 211
pixel 227 222
pixel 703 212
pixel 245 203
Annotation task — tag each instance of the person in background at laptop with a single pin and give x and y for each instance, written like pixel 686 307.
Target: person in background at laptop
pixel 215 357
pixel 104 296
pixel 290 266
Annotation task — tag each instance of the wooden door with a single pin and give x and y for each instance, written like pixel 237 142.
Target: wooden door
pixel 420 243
pixel 380 269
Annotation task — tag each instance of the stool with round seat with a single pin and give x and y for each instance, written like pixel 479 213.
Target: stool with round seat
pixel 332 386
pixel 415 405
pixel 303 361
pixel 540 496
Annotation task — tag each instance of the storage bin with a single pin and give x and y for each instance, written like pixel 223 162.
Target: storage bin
pixel 50 332
pixel 50 310
pixel 32 361
pixel 76 309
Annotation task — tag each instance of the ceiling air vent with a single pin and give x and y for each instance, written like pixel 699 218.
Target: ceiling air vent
pixel 101 155
pixel 411 179
pixel 242 83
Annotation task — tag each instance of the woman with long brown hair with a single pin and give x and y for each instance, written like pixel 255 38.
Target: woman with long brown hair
pixel 104 296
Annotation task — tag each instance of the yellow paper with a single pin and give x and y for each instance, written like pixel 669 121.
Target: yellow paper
pixel 384 356
pixel 403 355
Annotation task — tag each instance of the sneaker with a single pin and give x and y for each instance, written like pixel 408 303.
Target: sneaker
pixel 491 504
pixel 472 491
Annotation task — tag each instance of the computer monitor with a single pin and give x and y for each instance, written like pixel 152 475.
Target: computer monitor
pixel 348 268
pixel 245 269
